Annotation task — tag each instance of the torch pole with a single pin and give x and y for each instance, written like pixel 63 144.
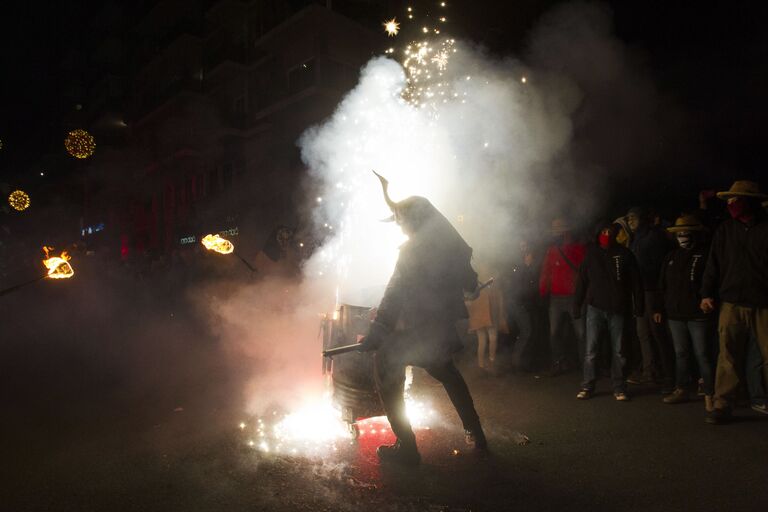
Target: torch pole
pixel 341 350
pixel 245 262
pixel 22 285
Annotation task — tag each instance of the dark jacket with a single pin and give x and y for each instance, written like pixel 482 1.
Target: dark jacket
pixel 650 246
pixel 522 287
pixel 737 268
pixel 680 283
pixel 609 279
pixel 425 295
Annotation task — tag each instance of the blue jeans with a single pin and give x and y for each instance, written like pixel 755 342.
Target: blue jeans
pixel 699 334
pixel 597 322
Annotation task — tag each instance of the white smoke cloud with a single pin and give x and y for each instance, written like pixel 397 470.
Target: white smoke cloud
pixel 473 157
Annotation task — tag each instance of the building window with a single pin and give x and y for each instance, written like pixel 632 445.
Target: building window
pixel 301 77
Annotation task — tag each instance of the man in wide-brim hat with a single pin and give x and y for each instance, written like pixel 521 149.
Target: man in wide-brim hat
pixel 736 276
pixel 680 285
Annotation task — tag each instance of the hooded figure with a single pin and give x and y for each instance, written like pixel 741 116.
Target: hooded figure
pixel 416 321
pixel 609 282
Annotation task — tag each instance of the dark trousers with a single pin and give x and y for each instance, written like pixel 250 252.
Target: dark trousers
pixel 560 314
pixel 522 316
pixel 390 381
pixel 599 321
pixel 754 373
pixel 658 354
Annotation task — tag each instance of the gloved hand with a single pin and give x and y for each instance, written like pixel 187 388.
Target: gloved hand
pixel 375 337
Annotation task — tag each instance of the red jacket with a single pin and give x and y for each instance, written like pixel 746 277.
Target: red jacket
pixel 557 276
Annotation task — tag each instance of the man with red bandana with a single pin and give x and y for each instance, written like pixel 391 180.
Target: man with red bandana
pixel 736 279
pixel 609 283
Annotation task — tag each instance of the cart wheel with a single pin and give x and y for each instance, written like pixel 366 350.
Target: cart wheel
pixel 354 430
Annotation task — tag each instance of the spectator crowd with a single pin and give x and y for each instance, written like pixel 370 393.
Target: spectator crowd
pixel 682 306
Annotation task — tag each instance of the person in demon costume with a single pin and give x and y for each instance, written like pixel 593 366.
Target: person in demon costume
pixel 415 323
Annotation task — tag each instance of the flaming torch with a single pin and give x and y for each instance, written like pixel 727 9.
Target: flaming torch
pixel 223 246
pixel 218 244
pixel 58 268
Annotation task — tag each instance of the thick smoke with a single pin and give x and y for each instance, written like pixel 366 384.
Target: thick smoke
pixel 474 156
pixel 496 157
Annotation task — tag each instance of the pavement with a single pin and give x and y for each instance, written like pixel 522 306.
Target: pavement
pixel 140 412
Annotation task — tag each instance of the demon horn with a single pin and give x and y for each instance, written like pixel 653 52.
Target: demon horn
pixel 384 186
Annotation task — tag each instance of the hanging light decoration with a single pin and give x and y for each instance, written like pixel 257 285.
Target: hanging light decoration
pixel 79 144
pixel 19 200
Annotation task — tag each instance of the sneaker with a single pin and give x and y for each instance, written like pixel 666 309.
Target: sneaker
pixel 718 416
pixel 678 396
pixel 760 407
pixel 638 378
pixel 584 394
pixel 621 396
pixel 399 453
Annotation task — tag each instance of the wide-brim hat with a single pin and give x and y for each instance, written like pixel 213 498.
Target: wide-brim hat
pixel 743 188
pixel 687 223
pixel 559 226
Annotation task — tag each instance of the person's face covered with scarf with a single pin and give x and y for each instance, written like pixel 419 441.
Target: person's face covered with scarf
pixel 742 208
pixel 686 239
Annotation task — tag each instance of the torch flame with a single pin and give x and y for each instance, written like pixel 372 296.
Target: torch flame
pixel 218 244
pixel 58 266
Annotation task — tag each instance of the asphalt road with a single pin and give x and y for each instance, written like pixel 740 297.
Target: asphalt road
pixel 82 430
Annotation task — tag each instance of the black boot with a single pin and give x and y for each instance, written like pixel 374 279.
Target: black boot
pixel 401 452
pixel 476 439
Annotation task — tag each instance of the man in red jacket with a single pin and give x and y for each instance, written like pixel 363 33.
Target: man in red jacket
pixel 557 281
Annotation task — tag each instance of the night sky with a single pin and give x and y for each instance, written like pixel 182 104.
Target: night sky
pixel 708 58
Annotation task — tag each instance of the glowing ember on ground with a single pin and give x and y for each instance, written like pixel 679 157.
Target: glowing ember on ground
pixel 317 429
pixel 58 266
pixel 218 244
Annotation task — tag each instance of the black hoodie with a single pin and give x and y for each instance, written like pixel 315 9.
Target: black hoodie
pixel 609 279
pixel 680 282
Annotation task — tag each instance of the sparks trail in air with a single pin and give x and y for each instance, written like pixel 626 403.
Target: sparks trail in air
pixel 425 58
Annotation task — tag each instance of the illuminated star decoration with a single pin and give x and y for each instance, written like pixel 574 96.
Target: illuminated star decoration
pixel 392 27
pixel 19 200
pixel 79 144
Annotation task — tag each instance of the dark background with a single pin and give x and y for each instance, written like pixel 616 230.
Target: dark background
pixel 708 58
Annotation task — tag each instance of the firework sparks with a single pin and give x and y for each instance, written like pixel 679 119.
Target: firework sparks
pixel 316 428
pixel 392 27
pixel 58 266
pixel 218 244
